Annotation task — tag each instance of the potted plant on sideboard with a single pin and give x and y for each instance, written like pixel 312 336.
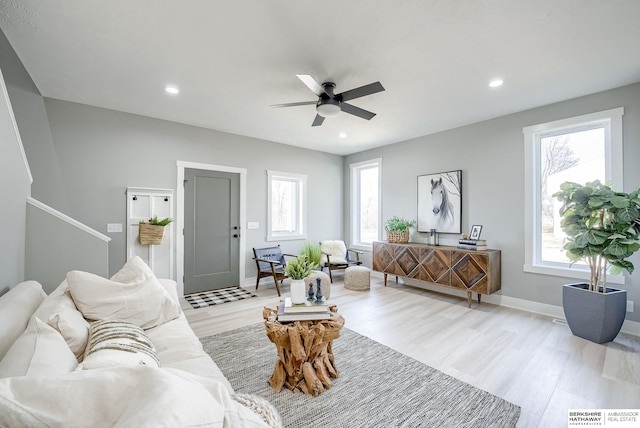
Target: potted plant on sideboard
pixel 603 228
pixel 397 229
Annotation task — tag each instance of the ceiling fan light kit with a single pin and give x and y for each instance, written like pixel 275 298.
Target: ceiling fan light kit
pixel 328 108
pixel 330 104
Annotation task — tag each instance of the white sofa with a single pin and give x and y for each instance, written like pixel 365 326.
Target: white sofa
pixel 55 370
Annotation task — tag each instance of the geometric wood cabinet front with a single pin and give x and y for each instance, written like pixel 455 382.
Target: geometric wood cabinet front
pixel 466 270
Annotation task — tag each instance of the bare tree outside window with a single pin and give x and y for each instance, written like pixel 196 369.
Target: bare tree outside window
pixel 365 202
pixel 577 156
pixel 369 205
pixel 282 198
pixel 556 156
pixel 286 214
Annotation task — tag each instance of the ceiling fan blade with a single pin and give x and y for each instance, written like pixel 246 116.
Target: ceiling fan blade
pixel 357 111
pixel 301 103
pixel 311 83
pixel 318 120
pixel 362 91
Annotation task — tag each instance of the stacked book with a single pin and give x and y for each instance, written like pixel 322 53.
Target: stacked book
pixel 472 244
pixel 307 311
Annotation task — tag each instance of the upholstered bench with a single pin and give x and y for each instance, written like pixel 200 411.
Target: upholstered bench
pixel 357 278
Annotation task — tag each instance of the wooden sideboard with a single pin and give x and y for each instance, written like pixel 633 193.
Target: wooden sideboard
pixel 466 270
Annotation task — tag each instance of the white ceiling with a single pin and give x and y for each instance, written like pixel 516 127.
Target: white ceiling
pixel 233 59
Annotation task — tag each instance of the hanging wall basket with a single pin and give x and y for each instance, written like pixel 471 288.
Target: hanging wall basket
pixel 150 234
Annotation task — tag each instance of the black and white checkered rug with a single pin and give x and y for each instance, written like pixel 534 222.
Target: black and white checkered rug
pixel 217 297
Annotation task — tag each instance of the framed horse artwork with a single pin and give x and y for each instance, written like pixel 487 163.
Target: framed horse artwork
pixel 440 202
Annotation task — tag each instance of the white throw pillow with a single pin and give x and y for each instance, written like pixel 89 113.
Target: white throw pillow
pixel 336 249
pixel 39 351
pixel 16 307
pixel 68 320
pixel 133 295
pixel 50 303
pixel 118 344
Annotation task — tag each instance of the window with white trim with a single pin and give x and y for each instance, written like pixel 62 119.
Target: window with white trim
pixel 286 213
pixel 366 202
pixel 578 149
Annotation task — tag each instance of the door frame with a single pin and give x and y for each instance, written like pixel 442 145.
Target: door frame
pixel 182 165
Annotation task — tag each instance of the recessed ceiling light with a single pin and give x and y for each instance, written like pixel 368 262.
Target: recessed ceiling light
pixel 172 89
pixel 495 83
pixel 342 135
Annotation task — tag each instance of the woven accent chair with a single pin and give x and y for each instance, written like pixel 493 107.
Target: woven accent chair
pixel 335 256
pixel 270 262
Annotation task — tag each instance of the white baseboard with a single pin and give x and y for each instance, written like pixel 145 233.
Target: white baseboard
pixel 629 327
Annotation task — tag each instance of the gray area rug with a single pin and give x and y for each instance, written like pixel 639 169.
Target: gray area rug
pixel 377 386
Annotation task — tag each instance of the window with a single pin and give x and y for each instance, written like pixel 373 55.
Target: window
pixel 578 149
pixel 365 209
pixel 286 213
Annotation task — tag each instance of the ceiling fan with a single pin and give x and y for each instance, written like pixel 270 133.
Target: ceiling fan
pixel 330 104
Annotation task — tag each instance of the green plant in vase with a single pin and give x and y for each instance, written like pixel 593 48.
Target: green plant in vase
pixel 298 269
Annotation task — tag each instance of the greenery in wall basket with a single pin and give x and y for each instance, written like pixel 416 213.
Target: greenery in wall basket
pixel 603 227
pixel 298 268
pixel 152 232
pixel 154 221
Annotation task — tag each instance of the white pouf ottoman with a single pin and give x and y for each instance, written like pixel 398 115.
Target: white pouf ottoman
pixel 325 283
pixel 357 278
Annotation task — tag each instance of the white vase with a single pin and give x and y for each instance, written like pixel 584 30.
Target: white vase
pixel 298 291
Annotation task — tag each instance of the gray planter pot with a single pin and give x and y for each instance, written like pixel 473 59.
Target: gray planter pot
pixel 594 316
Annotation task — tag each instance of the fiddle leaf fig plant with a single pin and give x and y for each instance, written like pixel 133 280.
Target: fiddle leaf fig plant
pixel 602 226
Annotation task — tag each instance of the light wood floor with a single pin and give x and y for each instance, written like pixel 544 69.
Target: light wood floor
pixel 524 358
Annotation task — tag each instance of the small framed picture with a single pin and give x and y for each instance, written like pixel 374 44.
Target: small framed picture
pixel 476 229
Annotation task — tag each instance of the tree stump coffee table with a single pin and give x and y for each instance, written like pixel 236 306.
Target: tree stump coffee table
pixel 305 355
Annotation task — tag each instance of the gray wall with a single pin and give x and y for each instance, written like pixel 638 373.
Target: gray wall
pixel 15 185
pixel 102 152
pixel 491 157
pixel 54 246
pixel 35 245
pixel 31 117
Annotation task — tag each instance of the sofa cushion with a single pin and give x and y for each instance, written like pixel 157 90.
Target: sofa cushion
pixel 68 320
pixel 39 351
pixel 133 295
pixel 16 307
pixel 118 344
pixel 60 312
pixel 179 348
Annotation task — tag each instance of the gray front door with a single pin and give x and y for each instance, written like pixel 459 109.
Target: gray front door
pixel 211 230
